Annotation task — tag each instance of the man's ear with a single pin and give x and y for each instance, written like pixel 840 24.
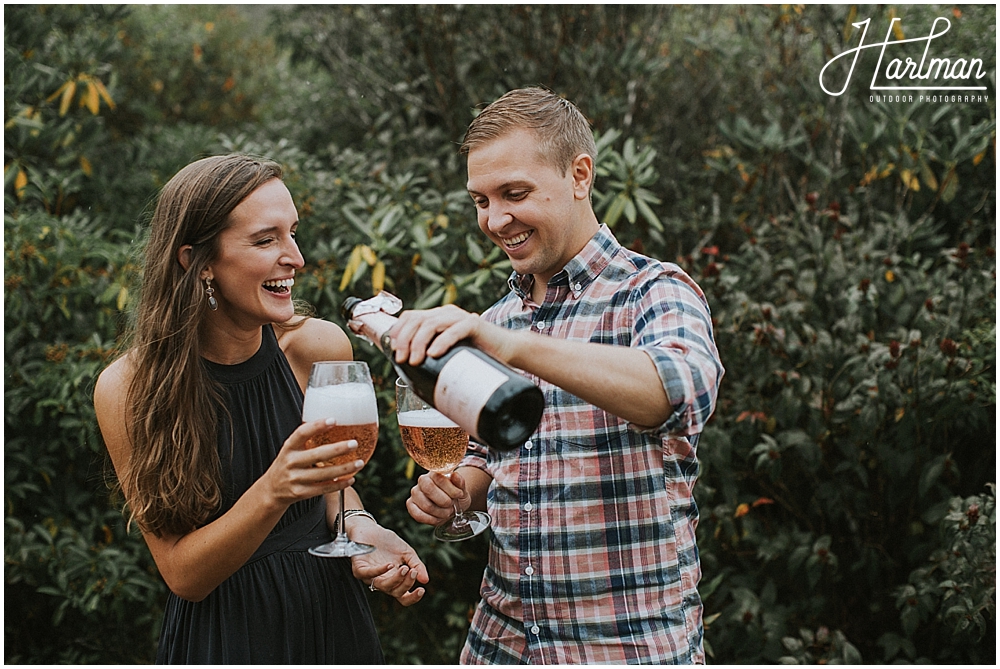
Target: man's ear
pixel 582 169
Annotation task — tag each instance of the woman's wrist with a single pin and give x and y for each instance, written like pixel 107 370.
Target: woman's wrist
pixel 352 516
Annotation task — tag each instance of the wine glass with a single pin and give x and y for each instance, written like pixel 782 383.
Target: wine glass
pixel 438 445
pixel 343 391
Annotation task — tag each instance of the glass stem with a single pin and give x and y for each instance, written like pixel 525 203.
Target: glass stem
pixel 341 537
pixel 458 520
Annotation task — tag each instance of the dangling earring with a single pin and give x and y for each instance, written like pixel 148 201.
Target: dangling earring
pixel 213 304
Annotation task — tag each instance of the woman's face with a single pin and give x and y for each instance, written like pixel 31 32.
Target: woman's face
pixel 253 273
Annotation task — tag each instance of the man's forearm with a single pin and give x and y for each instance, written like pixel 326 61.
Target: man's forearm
pixel 621 380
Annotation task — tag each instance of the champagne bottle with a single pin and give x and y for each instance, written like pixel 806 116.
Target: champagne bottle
pixel 493 403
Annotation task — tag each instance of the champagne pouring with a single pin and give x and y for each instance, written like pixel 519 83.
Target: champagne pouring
pixel 438 445
pixel 492 402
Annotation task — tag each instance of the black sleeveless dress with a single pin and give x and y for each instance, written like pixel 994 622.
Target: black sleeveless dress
pixel 284 606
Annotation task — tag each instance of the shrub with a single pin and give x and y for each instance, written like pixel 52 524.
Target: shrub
pixel 859 399
pixel 846 248
pixel 76 584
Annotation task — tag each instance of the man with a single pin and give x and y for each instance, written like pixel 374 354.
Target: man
pixel 592 556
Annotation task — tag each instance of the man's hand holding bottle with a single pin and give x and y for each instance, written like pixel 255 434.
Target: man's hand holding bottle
pixel 435 351
pixel 433 332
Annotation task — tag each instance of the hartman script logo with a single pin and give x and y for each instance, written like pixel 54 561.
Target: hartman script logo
pixel 910 71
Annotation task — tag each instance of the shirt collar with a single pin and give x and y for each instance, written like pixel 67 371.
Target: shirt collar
pixel 581 270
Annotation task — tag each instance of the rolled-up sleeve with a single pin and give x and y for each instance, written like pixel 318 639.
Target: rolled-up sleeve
pixel 673 326
pixel 475 456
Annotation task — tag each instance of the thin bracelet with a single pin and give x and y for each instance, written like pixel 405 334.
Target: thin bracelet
pixel 357 512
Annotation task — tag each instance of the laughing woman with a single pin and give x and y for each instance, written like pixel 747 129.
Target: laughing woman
pixel 202 418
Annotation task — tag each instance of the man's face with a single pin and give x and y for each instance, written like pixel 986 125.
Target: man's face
pixel 527 206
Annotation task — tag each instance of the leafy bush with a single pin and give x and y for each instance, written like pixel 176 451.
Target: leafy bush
pixel 859 398
pixel 846 247
pixel 855 311
pixel 956 593
pixel 71 571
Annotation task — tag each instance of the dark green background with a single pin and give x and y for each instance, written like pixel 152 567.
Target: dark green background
pixel 846 247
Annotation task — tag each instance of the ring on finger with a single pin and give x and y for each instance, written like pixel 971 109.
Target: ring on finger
pixel 371 586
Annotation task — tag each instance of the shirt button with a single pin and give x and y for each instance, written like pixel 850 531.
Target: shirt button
pixel 540 325
pixel 535 629
pixel 528 445
pixel 529 571
pixel 529 506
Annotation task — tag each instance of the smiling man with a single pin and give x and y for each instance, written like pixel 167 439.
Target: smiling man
pixel 592 556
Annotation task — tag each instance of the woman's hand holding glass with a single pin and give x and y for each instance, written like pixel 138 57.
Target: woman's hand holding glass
pixel 299 472
pixel 342 393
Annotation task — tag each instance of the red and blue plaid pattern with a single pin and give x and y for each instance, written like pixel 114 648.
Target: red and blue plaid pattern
pixel 593 556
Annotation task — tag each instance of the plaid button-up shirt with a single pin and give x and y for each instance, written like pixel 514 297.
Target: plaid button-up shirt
pixel 593 556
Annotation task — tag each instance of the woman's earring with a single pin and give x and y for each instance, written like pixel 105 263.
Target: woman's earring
pixel 213 304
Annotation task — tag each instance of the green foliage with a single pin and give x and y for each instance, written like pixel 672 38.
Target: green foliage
pixel 76 584
pixel 855 311
pixel 819 647
pixel 956 593
pixel 55 95
pixel 857 401
pixel 190 64
pixel 846 247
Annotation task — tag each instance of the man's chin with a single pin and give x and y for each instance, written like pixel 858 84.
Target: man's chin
pixel 521 266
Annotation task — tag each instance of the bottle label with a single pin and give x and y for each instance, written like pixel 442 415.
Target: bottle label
pixel 463 388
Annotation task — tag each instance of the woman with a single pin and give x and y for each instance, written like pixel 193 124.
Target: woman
pixel 202 419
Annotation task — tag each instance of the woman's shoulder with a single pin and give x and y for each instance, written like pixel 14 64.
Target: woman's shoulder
pixel 115 378
pixel 110 395
pixel 307 340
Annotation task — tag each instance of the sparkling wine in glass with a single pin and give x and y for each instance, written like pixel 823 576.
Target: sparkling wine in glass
pixel 342 391
pixel 438 445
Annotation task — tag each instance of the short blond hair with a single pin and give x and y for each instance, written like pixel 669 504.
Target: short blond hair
pixel 563 131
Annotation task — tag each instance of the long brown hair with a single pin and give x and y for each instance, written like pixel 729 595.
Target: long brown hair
pixel 173 478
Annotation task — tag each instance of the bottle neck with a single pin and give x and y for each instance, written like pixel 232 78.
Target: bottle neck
pixel 375 328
